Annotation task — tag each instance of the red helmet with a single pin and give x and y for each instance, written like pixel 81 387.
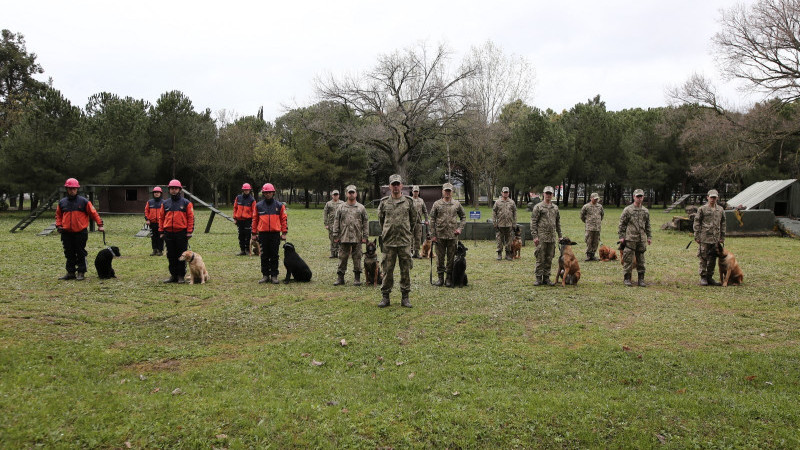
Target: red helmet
pixel 268 187
pixel 246 186
pixel 72 182
pixel 157 189
pixel 175 183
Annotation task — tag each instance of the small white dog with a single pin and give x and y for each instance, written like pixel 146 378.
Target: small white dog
pixel 197 269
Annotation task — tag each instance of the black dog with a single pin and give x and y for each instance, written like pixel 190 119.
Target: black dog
pixel 371 267
pixel 460 266
pixel 103 262
pixel 295 266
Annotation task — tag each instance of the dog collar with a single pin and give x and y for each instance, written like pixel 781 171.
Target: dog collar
pixel 192 257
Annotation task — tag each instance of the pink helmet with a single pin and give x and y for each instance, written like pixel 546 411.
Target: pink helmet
pixel 246 186
pixel 268 187
pixel 157 189
pixel 175 183
pixel 72 182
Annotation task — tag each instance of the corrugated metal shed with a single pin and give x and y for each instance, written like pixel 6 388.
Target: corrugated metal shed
pixel 757 193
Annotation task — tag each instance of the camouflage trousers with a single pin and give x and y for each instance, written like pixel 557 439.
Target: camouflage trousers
pixel 633 249
pixel 346 250
pixel 390 257
pixel 445 252
pixel 418 238
pixel 707 254
pixel 504 236
pixel 544 254
pixel 592 239
pixel 334 244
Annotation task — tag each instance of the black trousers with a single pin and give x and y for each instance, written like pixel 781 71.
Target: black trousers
pixel 155 238
pixel 176 243
pixel 244 234
pixel 75 250
pixel 270 244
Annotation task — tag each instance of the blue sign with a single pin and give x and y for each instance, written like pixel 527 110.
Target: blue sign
pixel 474 215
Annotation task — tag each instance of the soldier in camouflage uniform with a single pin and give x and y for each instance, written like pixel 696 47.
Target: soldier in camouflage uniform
pixel 592 215
pixel 447 221
pixel 350 230
pixel 545 231
pixel 422 215
pixel 709 230
pixel 397 216
pixel 634 231
pixel 504 217
pixel 327 217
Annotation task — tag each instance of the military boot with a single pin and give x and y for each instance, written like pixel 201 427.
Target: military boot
pixel 404 300
pixel 703 281
pixel 499 255
pixel 384 301
pixel 538 281
pixel 546 280
pixel 274 279
pixel 160 253
pixel 440 281
pixel 448 281
pixel 712 282
pixel 333 254
pixel 509 257
pixel 356 278
pixel 242 253
pixel 263 280
pixel 67 276
pixel 627 280
pixel 339 279
pixel 80 276
pixel 589 257
pixel 171 280
pixel 416 254
pixel 154 253
pixel 641 280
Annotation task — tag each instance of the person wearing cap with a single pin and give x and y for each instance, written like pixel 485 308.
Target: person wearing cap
pixel 709 231
pixel 270 225
pixel 545 231
pixel 447 221
pixel 504 217
pixel 176 224
pixel 243 215
pixel 151 209
pixel 592 215
pixel 73 214
pixel 397 217
pixel 634 235
pixel 350 230
pixel 422 215
pixel 327 216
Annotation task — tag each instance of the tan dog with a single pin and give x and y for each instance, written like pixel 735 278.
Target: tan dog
pixel 197 269
pixel 426 247
pixel 255 247
pixel 568 268
pixel 729 270
pixel 607 253
pixel 516 247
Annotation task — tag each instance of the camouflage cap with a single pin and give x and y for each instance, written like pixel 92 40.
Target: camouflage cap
pixel 713 193
pixel 594 195
pixel 638 192
pixel 335 192
pixel 395 179
pixel 415 189
pixel 447 187
pixel 505 189
pixel 350 188
pixel 548 189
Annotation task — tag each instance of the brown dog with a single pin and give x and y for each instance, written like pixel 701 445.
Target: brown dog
pixel 426 247
pixel 197 269
pixel 516 244
pixel 729 270
pixel 255 247
pixel 568 268
pixel 607 253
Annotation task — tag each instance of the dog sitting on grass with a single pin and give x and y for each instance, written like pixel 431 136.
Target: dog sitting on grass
pixel 372 269
pixel 607 253
pixel 729 270
pixel 516 244
pixel 568 268
pixel 426 248
pixel 197 268
pixel 255 247
pixel 294 264
pixel 102 262
pixel 460 266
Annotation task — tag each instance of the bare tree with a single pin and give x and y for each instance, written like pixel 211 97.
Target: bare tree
pixel 406 100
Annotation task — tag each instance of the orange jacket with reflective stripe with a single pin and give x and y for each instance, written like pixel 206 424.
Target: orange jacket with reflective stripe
pixel 176 215
pixel 72 215
pixel 269 217
pixel 151 209
pixel 243 207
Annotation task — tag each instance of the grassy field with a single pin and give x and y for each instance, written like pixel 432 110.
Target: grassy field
pixel 498 364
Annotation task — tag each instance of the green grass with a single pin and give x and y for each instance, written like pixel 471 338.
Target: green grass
pixel 498 364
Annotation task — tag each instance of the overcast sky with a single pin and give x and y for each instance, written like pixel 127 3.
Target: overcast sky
pixel 239 55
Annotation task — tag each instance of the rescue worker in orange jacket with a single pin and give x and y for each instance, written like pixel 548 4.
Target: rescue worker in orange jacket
pixel 72 220
pixel 270 228
pixel 151 216
pixel 243 215
pixel 176 223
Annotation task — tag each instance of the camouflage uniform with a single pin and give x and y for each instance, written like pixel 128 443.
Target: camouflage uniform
pixel 545 225
pixel 397 217
pixel 422 215
pixel 592 216
pixel 634 227
pixel 709 230
pixel 446 218
pixel 327 215
pixel 350 227
pixel 504 217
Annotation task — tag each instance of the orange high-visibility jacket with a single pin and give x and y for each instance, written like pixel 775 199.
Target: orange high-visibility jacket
pixel 72 215
pixel 176 215
pixel 151 209
pixel 269 217
pixel 243 207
